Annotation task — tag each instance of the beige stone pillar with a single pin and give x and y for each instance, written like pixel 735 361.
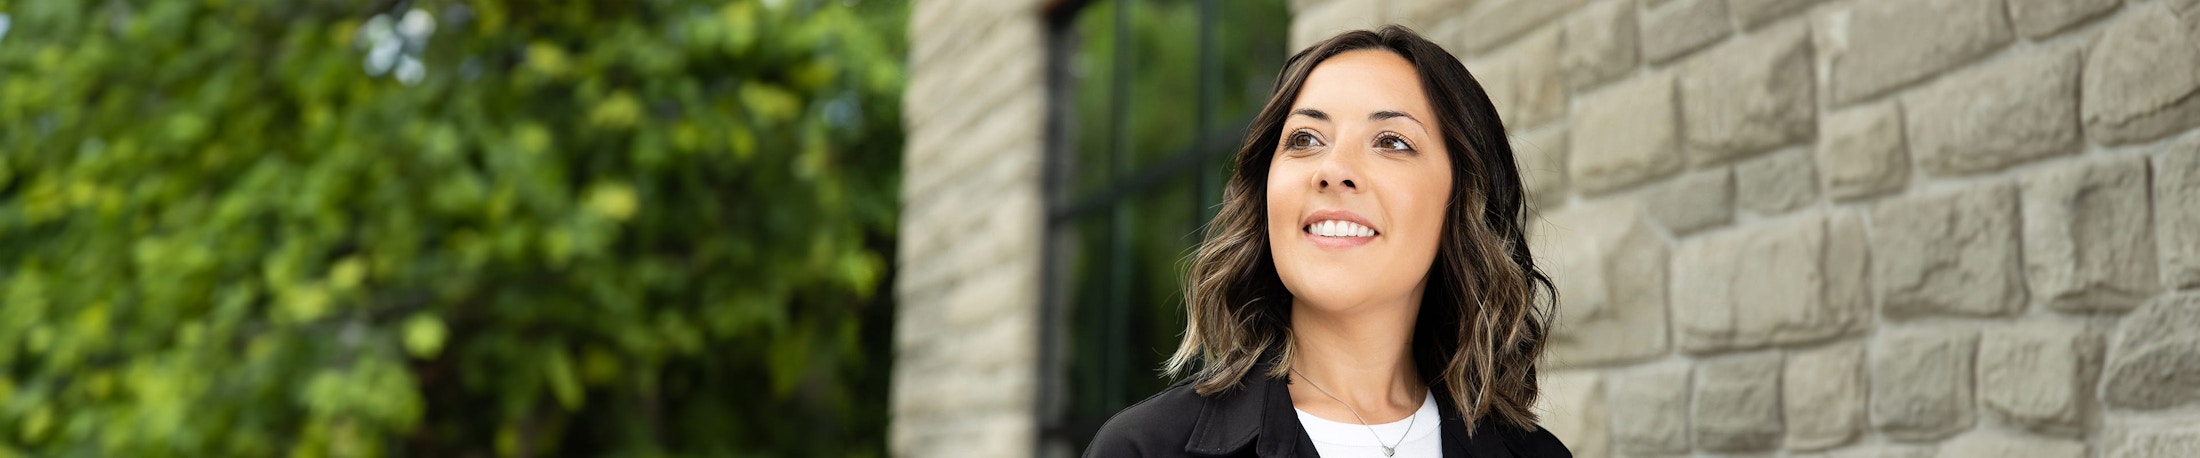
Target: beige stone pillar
pixel 967 282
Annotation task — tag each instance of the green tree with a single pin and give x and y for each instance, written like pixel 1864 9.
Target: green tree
pixel 445 227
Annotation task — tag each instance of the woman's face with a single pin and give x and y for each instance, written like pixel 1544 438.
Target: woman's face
pixel 1358 185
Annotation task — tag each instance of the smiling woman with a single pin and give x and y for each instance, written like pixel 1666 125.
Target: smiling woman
pixel 1369 244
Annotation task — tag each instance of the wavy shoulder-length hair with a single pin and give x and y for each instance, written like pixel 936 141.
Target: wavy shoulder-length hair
pixel 1483 318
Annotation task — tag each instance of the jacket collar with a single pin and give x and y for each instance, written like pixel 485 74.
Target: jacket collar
pixel 1258 412
pixel 1258 409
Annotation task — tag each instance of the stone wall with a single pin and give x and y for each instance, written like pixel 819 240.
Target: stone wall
pixel 1853 228
pixel 967 270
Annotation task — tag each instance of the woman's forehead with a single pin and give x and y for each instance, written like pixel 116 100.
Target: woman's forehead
pixel 1361 82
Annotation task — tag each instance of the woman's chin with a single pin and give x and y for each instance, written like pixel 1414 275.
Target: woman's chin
pixel 1335 296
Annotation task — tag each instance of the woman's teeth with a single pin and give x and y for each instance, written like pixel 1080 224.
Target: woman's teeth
pixel 1339 229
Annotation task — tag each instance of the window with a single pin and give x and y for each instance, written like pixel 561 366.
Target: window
pixel 1149 98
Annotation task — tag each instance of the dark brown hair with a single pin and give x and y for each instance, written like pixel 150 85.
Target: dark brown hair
pixel 1482 321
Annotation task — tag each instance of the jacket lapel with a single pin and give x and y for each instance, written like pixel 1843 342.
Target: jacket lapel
pixel 1281 434
pixel 1228 420
pixel 1256 413
pixel 1486 442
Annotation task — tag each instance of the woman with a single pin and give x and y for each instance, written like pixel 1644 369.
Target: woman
pixel 1366 289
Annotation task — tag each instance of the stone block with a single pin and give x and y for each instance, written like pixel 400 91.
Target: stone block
pixel 2152 441
pixel 1848 265
pixel 1760 285
pixel 1320 21
pixel 2155 363
pixel 2040 18
pixel 1523 80
pixel 1921 382
pixel 1653 420
pixel 1671 28
pixel 2039 374
pixel 2088 246
pixel 1624 135
pixel 1879 45
pixel 1572 404
pixel 1609 266
pixel 1489 23
pixel 1988 444
pixel 1874 451
pixel 1998 114
pixel 1861 152
pixel 1959 254
pixel 1423 15
pixel 1694 201
pixel 1822 395
pixel 1601 44
pixel 1749 96
pixel 1542 157
pixel 1754 13
pixel 1777 183
pixel 2177 212
pixel 2142 77
pixel 1738 403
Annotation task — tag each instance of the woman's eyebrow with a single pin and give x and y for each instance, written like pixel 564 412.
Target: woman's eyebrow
pixel 1386 114
pixel 1311 113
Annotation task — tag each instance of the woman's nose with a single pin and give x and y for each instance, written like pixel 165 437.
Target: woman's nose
pixel 1338 169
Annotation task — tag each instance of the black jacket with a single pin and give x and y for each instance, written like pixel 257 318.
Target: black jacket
pixel 1256 419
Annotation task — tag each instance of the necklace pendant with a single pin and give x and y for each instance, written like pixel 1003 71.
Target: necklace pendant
pixel 1388 451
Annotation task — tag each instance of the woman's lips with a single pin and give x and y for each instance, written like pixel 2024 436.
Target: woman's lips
pixel 1337 229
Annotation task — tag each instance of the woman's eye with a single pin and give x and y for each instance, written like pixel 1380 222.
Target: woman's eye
pixel 1393 143
pixel 1302 140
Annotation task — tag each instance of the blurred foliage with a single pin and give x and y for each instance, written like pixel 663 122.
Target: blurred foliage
pixel 446 227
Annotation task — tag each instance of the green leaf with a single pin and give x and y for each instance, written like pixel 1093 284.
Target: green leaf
pixel 613 200
pixel 557 368
pixel 424 334
pixel 619 111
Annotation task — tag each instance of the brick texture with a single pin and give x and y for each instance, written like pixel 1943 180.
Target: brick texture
pixel 2039 18
pixel 1653 417
pixel 1753 287
pixel 1831 228
pixel 1953 130
pixel 1671 28
pixel 1737 403
pixel 1601 43
pixel 2177 212
pixel 2155 363
pixel 1885 44
pixel 2142 75
pixel 1749 96
pixel 1614 278
pixel 1694 202
pixel 2038 374
pixel 1921 382
pixel 2087 242
pixel 1948 254
pixel 1624 135
pixel 1823 396
pixel 1861 152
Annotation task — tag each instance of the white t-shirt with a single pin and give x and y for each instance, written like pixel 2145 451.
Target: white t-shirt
pixel 1336 439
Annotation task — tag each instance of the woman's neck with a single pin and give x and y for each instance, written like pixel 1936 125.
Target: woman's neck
pixel 1363 357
